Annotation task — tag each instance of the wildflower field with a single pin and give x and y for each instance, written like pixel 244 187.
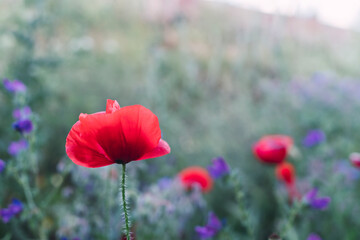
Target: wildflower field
pixel 177 119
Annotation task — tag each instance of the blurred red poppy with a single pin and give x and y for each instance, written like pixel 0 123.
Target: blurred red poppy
pixel 285 172
pixel 192 176
pixel 119 135
pixel 355 159
pixel 272 148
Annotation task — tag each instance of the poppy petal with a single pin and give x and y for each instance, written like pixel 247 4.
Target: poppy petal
pixel 270 152
pixel 126 134
pixel 281 139
pixel 112 106
pixel 161 149
pixel 85 151
pixel 285 172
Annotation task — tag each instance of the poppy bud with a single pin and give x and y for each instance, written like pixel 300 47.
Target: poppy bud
pixel 192 176
pixel 286 173
pixel 272 149
pixel 355 159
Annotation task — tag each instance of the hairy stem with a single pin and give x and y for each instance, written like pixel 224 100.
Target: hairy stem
pixel 295 210
pixel 240 199
pixel 245 218
pixel 24 182
pixel 126 215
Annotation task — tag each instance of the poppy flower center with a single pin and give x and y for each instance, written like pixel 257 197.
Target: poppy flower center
pixel 119 161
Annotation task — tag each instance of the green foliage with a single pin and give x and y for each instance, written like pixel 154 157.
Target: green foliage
pixel 218 81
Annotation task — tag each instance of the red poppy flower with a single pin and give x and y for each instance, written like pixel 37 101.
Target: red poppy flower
pixel 272 148
pixel 355 159
pixel 196 175
pixel 119 135
pixel 286 172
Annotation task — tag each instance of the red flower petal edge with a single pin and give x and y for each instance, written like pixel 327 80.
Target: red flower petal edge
pixel 112 106
pixel 161 149
pixel 118 135
pixel 281 139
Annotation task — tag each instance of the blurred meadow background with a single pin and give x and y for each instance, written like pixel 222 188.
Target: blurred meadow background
pixel 219 77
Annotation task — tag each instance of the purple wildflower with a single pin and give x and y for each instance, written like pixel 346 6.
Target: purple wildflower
pixel 60 167
pixel 16 147
pixel 343 167
pixel 14 86
pixel 23 126
pixel 313 236
pixel 218 168
pixel 314 137
pixel 2 165
pixel 22 113
pixel 67 192
pixel 15 206
pixel 6 215
pixel 316 202
pixel 164 183
pixel 211 228
pixel 90 187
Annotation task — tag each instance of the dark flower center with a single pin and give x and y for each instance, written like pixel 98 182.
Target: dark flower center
pixel 119 161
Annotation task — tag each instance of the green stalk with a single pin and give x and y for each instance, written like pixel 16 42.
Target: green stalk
pixel 123 186
pixel 295 210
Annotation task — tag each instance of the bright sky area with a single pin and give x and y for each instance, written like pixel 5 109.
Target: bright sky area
pixel 339 13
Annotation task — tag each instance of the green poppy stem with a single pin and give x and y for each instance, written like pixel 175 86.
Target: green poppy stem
pixel 126 215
